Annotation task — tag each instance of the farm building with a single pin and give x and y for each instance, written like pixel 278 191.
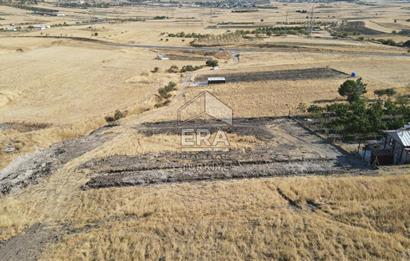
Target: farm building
pixel 46 13
pixel 162 57
pixel 216 80
pixel 41 26
pixel 393 149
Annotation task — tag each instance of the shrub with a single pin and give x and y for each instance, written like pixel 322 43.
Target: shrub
pixel 385 92
pixel 314 109
pixel 117 115
pixel 109 119
pixel 390 42
pixel 160 17
pixel 212 63
pixel 301 107
pixel 189 68
pixel 164 92
pixel 173 69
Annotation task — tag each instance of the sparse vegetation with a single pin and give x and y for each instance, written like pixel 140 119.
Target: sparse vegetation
pixel 190 68
pixel 390 42
pixel 164 94
pixel 269 30
pixel 188 35
pixel 160 17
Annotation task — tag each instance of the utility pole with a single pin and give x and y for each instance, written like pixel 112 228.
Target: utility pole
pixel 286 19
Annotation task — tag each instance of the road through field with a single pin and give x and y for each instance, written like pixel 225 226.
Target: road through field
pixel 272 48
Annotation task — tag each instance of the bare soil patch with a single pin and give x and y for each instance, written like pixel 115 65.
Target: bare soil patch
pixel 358 27
pixel 278 156
pixel 27 245
pixel 30 168
pixel 295 74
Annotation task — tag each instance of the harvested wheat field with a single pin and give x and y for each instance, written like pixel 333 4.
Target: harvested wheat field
pixel 230 130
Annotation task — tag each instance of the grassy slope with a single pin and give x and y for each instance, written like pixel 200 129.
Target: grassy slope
pixel 364 217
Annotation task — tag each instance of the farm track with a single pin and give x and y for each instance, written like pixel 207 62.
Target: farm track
pixel 266 48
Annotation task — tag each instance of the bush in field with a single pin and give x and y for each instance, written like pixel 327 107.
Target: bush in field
pixel 390 42
pixel 189 68
pixel 212 63
pixel 385 92
pixel 188 35
pixel 164 92
pixel 302 107
pixel 109 119
pixel 117 115
pixel 160 17
pixel 173 69
pixel 314 109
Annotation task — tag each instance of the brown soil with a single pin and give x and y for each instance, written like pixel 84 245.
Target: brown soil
pixel 296 74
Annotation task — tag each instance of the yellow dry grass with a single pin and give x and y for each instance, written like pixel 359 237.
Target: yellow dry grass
pixel 359 217
pixel 73 85
pixel 362 217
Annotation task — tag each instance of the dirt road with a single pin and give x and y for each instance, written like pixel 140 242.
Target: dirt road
pixel 242 49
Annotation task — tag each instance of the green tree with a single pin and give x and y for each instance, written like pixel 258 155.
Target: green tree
pixel 352 90
pixel 358 120
pixel 375 114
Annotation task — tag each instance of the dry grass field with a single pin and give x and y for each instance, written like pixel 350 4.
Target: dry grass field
pixel 59 84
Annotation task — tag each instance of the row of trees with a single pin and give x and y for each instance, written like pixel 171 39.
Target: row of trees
pixel 361 118
pixel 270 30
pixel 188 35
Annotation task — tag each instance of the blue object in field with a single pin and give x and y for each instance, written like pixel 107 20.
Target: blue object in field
pixel 353 74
